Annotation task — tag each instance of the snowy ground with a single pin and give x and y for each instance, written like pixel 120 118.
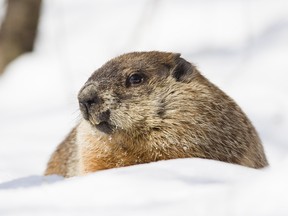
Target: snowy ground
pixel 242 46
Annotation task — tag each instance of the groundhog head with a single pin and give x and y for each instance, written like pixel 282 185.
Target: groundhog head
pixel 136 92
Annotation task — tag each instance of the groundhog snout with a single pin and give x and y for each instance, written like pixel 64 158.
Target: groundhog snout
pixel 90 103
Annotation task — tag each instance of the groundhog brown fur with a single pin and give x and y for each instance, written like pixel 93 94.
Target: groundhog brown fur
pixel 142 107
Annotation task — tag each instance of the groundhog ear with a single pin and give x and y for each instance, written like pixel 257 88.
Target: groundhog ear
pixel 183 71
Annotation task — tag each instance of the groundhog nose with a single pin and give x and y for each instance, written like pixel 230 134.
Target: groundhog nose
pixel 89 99
pixel 84 110
pixel 86 103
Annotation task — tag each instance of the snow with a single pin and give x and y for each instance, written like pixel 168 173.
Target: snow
pixel 239 45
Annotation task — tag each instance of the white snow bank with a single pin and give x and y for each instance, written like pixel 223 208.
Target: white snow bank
pixel 175 187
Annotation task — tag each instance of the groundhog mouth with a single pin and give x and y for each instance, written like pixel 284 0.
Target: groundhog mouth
pixel 105 127
pixel 101 121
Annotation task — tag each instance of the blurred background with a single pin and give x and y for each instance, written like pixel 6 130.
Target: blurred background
pixel 240 45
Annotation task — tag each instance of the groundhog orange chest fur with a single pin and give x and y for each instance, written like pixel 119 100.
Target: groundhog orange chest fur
pixel 148 106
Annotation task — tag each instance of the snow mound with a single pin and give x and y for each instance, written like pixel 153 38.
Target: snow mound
pixel 173 187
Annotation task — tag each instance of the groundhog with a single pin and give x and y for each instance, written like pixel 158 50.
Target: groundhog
pixel 143 107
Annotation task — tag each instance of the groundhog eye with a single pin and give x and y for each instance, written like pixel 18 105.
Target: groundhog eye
pixel 135 79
